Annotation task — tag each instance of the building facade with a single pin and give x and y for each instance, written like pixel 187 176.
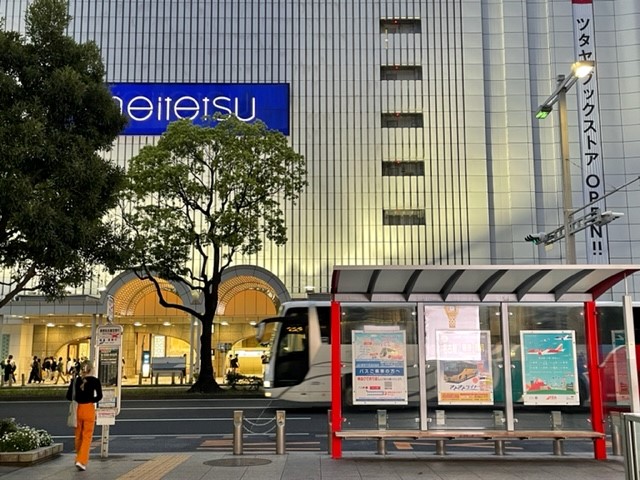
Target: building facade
pixel 416 119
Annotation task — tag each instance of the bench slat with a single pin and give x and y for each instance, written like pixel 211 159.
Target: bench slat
pixel 482 434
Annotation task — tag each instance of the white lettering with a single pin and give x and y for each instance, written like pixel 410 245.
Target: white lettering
pixel 167 100
pixel 253 110
pixel 192 106
pixel 216 103
pixel 205 102
pixel 142 104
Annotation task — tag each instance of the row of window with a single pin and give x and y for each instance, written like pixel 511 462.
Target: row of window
pixel 402 217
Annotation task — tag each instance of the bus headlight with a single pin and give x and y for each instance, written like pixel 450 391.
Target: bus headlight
pixel 266 384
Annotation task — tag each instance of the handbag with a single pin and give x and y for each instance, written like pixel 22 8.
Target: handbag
pixel 72 416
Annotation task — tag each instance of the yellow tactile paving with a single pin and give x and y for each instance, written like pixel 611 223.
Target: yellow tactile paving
pixel 155 469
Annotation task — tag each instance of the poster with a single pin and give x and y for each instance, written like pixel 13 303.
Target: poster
pixel 464 367
pixel 379 367
pixel 447 317
pixel 549 367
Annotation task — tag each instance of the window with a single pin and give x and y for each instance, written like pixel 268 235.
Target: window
pixel 403 217
pixel 400 72
pixel 402 120
pixel 400 25
pixel 403 169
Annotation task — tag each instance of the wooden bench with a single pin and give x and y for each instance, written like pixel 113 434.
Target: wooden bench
pixel 441 436
pixel 168 366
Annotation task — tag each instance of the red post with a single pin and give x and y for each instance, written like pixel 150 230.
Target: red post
pixel 595 385
pixel 336 381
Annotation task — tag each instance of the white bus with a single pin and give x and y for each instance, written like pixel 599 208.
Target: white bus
pixel 299 347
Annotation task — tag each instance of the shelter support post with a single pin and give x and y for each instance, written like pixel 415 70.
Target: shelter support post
pixel 336 381
pixel 632 361
pixel 597 417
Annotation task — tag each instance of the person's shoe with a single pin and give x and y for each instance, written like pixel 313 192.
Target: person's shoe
pixel 81 467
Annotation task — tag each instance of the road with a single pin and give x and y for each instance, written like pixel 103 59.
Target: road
pixel 187 425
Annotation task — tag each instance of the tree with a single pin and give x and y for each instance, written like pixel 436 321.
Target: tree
pixel 56 116
pixel 202 195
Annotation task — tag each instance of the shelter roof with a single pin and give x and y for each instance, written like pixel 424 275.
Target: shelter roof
pixel 476 283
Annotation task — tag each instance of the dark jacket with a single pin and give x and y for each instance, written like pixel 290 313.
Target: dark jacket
pixel 88 389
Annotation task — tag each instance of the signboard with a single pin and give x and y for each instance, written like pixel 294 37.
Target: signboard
pixel 549 367
pixel 592 161
pixel 151 107
pixel 105 416
pixel 109 335
pixel 448 317
pixel 379 367
pixel 464 367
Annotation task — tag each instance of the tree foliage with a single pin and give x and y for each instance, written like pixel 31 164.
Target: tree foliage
pixel 56 116
pixel 204 195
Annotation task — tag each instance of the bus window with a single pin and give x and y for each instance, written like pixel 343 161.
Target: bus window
pixel 324 318
pixel 292 354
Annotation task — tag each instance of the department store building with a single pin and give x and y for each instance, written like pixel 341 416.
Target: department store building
pixel 417 122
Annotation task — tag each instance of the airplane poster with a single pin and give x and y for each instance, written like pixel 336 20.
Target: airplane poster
pixel 549 367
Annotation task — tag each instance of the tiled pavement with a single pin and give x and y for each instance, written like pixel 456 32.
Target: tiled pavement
pixel 320 466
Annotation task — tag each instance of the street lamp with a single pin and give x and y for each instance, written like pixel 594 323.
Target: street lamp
pixel 559 96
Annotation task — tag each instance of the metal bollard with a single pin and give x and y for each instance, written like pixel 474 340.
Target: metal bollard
pixel 616 437
pixel 280 432
pixel 237 432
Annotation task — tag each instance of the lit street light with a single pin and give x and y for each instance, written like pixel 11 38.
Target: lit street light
pixel 559 96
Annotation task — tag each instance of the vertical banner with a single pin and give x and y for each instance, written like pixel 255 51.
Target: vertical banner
pixel 464 367
pixel 447 317
pixel 379 367
pixel 549 367
pixel 590 131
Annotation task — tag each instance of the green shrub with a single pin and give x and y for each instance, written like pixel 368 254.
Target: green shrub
pixel 23 439
pixel 7 425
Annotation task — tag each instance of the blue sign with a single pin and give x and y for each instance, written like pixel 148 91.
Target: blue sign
pixel 151 107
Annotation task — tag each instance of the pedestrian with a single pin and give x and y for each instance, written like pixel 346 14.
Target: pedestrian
pixel 234 363
pixel 85 389
pixel 60 367
pixel 46 368
pixel 70 366
pixel 34 375
pixel 9 371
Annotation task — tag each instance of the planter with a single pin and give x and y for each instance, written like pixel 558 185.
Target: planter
pixel 24 459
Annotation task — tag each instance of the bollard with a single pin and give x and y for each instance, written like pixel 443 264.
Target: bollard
pixel 237 432
pixel 616 438
pixel 280 433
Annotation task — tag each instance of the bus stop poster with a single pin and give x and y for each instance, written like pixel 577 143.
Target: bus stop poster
pixel 379 367
pixel 464 367
pixel 549 367
pixel 447 317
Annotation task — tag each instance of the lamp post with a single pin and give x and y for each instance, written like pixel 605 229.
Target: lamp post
pixel 559 96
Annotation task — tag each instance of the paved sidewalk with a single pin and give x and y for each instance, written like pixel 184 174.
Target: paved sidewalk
pixel 319 466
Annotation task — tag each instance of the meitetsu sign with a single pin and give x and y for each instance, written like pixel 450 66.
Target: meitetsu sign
pixel 151 107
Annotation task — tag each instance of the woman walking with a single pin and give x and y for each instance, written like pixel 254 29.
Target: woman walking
pixel 86 390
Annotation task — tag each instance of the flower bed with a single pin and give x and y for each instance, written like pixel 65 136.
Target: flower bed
pixel 22 445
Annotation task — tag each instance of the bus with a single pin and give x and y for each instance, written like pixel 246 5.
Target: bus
pixel 298 342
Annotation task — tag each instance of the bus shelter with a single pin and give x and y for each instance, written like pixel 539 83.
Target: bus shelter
pixel 434 350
